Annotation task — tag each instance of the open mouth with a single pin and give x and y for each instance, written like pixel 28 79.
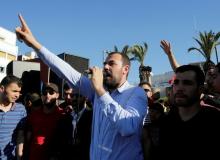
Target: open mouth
pixel 107 74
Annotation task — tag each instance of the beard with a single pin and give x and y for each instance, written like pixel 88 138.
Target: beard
pixel 185 100
pixel 110 84
pixel 50 104
pixel 69 101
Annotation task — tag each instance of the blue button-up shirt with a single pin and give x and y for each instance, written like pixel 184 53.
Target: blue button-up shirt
pixel 117 117
pixel 10 122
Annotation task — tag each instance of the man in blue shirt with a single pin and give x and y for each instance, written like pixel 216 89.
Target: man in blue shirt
pixel 118 107
pixel 12 118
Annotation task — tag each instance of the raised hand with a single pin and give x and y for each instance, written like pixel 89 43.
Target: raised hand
pixel 97 80
pixel 165 45
pixel 24 35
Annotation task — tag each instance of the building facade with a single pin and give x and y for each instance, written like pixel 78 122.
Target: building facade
pixel 8 50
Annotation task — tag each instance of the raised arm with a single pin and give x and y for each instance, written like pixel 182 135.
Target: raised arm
pixel 24 35
pixel 165 45
pixel 57 65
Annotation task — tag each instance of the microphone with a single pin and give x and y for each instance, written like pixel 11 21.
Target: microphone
pixel 88 71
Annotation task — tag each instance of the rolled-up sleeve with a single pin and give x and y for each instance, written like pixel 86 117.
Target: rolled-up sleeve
pixel 127 118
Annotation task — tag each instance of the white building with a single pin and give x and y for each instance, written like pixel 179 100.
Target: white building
pixel 161 81
pixel 8 50
pixel 27 56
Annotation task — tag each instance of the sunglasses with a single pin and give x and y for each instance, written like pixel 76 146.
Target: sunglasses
pixel 147 90
pixel 51 92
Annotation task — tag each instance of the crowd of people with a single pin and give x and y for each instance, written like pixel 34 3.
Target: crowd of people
pixel 106 118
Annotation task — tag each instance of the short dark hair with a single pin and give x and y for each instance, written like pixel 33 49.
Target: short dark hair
pixel 200 77
pixel 7 80
pixel 157 106
pixel 125 58
pixel 208 65
pixel 66 86
pixel 34 98
pixel 143 83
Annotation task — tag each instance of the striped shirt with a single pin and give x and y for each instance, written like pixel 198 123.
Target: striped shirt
pixel 10 122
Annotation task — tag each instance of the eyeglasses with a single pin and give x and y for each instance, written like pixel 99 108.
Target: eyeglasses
pixel 51 92
pixel 147 90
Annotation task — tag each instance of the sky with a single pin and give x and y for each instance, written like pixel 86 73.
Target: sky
pixel 88 28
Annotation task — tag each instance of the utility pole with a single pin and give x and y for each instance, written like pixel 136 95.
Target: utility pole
pixel 216 54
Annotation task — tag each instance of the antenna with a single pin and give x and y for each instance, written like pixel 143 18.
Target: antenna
pixel 195 24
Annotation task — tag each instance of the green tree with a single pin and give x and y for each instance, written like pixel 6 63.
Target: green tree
pixel 124 50
pixel 138 52
pixel 208 42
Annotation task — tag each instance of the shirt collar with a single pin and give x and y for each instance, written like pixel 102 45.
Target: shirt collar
pixel 123 87
pixel 13 107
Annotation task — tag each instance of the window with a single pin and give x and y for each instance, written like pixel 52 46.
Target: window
pixel 2 69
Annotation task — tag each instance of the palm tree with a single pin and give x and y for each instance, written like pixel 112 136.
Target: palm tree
pixel 124 50
pixel 208 42
pixel 115 49
pixel 138 52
